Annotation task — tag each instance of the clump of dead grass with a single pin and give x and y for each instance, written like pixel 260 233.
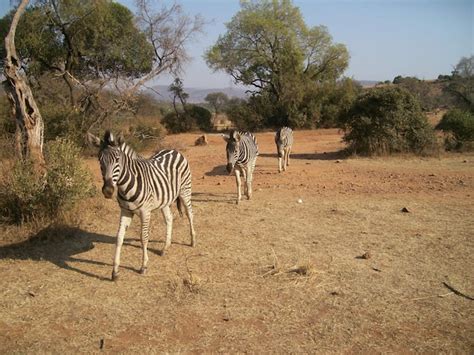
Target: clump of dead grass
pixel 186 283
pixel 305 268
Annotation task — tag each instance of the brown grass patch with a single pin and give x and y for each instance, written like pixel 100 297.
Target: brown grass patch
pixel 269 275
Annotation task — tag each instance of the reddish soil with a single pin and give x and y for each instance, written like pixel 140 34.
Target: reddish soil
pixel 341 270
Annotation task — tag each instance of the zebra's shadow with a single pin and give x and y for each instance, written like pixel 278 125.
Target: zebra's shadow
pixel 203 197
pixel 219 170
pixel 60 246
pixel 341 154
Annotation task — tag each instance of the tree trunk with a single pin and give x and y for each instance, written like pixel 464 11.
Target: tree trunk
pixel 29 123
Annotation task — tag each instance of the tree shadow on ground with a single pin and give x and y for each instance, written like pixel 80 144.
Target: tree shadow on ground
pixel 311 156
pixel 60 245
pixel 219 170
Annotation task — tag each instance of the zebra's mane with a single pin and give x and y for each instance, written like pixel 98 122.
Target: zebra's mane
pixel 129 151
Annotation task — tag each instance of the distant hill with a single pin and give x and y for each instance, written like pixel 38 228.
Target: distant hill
pixel 196 95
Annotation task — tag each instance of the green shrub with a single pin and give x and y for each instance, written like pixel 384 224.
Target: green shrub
pixel 459 125
pixel 387 120
pixel 25 196
pixel 178 123
pixel 202 117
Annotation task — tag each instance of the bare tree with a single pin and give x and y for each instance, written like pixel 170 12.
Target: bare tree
pixel 29 123
pixel 168 30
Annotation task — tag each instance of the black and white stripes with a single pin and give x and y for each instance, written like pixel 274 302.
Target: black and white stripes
pixel 144 185
pixel 284 142
pixel 242 152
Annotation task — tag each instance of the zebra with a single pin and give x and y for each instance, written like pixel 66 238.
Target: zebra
pixel 242 152
pixel 143 185
pixel 284 141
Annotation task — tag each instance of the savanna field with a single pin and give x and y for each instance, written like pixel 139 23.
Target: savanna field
pixel 322 259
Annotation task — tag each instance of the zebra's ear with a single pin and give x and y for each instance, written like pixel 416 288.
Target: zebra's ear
pixel 226 137
pixel 236 136
pixel 120 138
pixel 109 138
pixel 93 140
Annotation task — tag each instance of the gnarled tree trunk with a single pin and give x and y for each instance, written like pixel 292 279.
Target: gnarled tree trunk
pixel 29 123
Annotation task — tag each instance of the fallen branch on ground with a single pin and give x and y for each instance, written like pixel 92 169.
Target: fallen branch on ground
pixel 451 288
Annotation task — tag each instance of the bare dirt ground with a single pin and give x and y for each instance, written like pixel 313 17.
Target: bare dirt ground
pixel 270 275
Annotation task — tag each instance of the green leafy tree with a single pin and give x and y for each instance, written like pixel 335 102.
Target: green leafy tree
pixel 96 45
pixel 387 120
pixel 461 85
pixel 217 100
pixel 268 47
pixel 459 125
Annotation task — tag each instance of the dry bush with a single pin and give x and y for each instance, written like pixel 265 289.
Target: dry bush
pixel 144 133
pixel 25 196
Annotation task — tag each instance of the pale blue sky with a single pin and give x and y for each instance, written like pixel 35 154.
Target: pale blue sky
pixel 385 38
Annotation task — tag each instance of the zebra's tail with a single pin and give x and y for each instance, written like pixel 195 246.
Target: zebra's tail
pixel 179 205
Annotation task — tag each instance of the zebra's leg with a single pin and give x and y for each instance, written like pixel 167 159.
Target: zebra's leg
pixel 245 178
pixel 125 220
pixel 288 157
pixel 169 227
pixel 285 159
pixel 186 201
pixel 248 182
pixel 279 164
pixel 237 180
pixel 251 168
pixel 145 218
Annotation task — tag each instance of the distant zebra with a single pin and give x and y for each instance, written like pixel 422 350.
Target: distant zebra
pixel 284 141
pixel 143 185
pixel 242 152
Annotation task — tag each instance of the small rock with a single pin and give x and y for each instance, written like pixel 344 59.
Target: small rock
pixel 300 200
pixel 366 255
pixel 338 161
pixel 219 183
pixel 405 210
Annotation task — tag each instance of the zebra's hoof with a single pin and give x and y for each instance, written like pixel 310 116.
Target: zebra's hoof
pixel 115 276
pixel 143 270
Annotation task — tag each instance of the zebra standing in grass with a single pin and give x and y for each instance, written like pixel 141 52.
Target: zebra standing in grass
pixel 242 152
pixel 284 141
pixel 143 185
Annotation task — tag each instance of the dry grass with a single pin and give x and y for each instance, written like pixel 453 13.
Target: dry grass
pixel 270 275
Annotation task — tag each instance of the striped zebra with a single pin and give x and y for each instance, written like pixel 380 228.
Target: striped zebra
pixel 284 141
pixel 143 185
pixel 242 152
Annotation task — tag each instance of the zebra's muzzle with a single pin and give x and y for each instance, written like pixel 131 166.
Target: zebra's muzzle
pixel 108 191
pixel 230 168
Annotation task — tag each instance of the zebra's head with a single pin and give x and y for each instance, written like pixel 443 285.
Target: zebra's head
pixel 109 159
pixel 232 149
